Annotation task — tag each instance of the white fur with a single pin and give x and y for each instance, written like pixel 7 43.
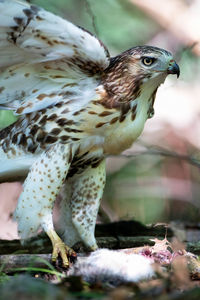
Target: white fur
pixel 115 266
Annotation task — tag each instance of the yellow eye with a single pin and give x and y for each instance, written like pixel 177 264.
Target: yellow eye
pixel 148 61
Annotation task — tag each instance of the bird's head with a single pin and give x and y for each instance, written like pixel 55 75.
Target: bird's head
pixel 149 62
pixel 137 71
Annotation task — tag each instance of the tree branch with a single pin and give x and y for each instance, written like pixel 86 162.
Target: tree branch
pixel 164 152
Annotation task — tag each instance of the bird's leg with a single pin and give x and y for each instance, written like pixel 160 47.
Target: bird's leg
pixel 87 190
pixel 40 189
pixel 59 247
pixel 65 226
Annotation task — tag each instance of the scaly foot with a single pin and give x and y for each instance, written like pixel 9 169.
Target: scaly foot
pixel 60 249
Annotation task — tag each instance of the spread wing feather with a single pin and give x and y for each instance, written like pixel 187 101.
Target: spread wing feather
pixel 43 57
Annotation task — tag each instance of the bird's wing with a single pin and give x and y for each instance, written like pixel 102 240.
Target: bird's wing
pixel 43 56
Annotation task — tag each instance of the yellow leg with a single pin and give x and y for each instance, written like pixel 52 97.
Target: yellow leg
pixel 59 248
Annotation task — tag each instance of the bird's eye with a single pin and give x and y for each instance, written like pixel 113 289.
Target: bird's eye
pixel 148 61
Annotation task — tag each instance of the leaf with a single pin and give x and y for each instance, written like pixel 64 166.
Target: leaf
pixel 161 245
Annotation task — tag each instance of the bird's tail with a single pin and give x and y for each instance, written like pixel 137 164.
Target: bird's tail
pixel 14 167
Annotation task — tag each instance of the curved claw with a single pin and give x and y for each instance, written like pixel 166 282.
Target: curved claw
pixel 60 249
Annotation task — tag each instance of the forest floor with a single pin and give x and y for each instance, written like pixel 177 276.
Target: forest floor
pixel 144 262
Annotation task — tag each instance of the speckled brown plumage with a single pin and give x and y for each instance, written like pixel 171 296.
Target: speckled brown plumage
pixel 76 105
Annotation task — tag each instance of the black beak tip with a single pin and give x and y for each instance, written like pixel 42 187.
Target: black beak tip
pixel 178 71
pixel 174 69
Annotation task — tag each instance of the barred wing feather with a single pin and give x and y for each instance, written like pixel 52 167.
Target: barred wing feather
pixel 42 54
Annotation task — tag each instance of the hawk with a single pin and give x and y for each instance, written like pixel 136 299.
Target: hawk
pixel 76 105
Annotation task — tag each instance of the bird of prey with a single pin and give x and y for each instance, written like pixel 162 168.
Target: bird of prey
pixel 76 105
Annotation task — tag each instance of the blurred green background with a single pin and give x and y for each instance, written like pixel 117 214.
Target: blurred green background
pixel 149 188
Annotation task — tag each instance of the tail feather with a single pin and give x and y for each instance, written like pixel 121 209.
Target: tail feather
pixel 16 168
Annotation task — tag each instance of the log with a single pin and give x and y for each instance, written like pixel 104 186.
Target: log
pixel 116 235
pixel 42 245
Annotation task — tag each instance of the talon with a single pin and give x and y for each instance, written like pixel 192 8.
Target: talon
pixel 60 249
pixel 94 247
pixel 71 252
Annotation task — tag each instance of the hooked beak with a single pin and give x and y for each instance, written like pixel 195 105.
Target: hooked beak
pixel 173 69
